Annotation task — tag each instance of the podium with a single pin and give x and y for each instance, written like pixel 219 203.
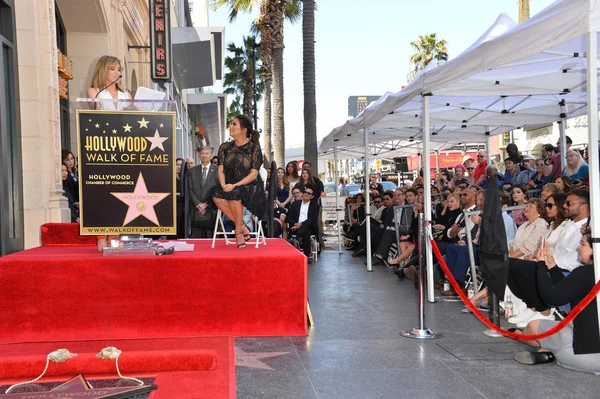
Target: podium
pixel 126 166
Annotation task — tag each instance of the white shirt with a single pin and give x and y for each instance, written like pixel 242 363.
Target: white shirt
pixel 303 211
pixel 109 103
pixel 564 241
pixel 509 226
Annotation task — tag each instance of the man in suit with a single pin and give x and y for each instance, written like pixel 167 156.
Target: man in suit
pixel 202 180
pixel 302 218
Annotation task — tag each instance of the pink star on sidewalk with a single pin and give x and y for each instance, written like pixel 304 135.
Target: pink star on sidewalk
pixel 252 359
pixel 140 202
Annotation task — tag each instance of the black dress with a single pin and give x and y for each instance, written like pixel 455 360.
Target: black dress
pixel 237 162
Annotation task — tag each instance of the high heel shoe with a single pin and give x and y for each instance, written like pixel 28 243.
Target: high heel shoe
pixel 247 235
pixel 240 244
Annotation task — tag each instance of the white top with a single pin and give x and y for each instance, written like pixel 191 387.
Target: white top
pixel 529 236
pixel 563 242
pixel 108 102
pixel 303 211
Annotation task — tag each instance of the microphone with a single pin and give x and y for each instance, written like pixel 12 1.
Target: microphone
pixel 108 85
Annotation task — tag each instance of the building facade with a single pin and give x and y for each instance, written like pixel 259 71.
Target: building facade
pixel 49 50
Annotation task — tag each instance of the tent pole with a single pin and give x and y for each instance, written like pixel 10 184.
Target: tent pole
pixel 437 161
pixel 337 198
pixel 367 203
pixel 563 135
pixel 488 144
pixel 592 90
pixel 427 199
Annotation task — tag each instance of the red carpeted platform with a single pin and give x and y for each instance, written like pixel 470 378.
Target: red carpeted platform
pixel 201 368
pixel 74 293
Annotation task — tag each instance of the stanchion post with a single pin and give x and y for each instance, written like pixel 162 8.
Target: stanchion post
pixel 494 315
pixel 421 332
pixel 337 199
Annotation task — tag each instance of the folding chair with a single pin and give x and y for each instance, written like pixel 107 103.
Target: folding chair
pixel 258 235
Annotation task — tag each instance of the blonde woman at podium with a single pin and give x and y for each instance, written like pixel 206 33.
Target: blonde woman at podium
pixel 106 85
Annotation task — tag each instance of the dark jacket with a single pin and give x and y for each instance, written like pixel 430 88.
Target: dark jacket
pixel 294 213
pixel 201 191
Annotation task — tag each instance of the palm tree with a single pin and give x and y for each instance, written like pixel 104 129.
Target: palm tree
pixel 242 66
pixel 234 109
pixel 308 70
pixel 427 49
pixel 272 15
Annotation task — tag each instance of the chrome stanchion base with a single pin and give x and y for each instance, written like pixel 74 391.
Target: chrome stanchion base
pixel 492 334
pixel 421 334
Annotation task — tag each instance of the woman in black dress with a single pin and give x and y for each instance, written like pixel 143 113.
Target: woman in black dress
pixel 241 186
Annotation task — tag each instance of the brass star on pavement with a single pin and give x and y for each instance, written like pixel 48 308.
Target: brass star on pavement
pixel 78 387
pixel 127 128
pixel 252 359
pixel 140 202
pixel 143 123
pixel 157 141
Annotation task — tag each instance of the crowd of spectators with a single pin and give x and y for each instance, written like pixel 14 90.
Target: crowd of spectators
pixel 544 235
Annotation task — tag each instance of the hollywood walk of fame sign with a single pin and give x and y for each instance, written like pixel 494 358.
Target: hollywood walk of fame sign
pixel 126 162
pixel 78 387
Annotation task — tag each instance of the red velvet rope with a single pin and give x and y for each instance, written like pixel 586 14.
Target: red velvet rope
pixel 523 337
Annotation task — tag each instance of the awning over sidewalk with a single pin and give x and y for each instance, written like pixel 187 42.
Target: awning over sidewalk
pixel 210 110
pixel 198 55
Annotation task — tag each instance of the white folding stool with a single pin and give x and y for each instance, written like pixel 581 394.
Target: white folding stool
pixel 258 235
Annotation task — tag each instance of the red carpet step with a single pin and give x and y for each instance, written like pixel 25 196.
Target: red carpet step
pixel 183 367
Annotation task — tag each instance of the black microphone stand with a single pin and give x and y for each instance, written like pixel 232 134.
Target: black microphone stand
pixel 106 87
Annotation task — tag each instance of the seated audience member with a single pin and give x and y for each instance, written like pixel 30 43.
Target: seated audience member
pixel 302 219
pixel 347 205
pixel 457 255
pixel 408 243
pixel 519 196
pixel 576 169
pixel 456 232
pixel 514 174
pixel 563 235
pixel 404 216
pixel 460 172
pixel 563 183
pixel 507 188
pixel 529 166
pixel 547 190
pixel 521 276
pixel 357 215
pixel 319 187
pixel 375 188
pixel 539 178
pixel 480 170
pixel 530 233
pixel 215 160
pixel 378 224
pixel 306 179
pixel 446 218
pixel 552 161
pixel 576 347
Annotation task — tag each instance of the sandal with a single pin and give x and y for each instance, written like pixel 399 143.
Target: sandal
pixel 243 243
pixel 247 235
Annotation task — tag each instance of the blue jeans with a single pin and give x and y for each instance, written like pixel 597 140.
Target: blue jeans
pixel 457 259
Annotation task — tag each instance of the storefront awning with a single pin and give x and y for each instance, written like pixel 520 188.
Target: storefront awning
pixel 210 109
pixel 198 55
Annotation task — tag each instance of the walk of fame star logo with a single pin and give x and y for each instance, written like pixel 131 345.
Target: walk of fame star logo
pixel 157 141
pixel 140 202
pixel 78 387
pixel 252 359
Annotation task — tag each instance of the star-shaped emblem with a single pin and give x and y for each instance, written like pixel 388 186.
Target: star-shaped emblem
pixel 252 359
pixel 114 131
pixel 78 387
pixel 97 125
pixel 127 128
pixel 162 125
pixel 157 141
pixel 140 202
pixel 143 123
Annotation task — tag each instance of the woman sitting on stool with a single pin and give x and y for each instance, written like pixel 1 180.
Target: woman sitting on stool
pixel 239 163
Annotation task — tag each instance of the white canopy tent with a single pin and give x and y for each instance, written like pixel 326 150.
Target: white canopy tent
pixel 551 57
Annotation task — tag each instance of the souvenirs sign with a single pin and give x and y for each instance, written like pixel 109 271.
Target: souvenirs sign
pixel 126 172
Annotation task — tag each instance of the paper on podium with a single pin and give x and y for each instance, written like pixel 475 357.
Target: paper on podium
pixel 144 93
pixel 180 246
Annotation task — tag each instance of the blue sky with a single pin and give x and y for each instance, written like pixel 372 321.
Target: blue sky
pixel 363 48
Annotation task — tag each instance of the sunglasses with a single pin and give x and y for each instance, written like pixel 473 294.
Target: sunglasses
pixel 309 193
pixel 549 205
pixel 377 202
pixel 470 168
pixel 569 203
pixel 480 156
pixel 464 194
